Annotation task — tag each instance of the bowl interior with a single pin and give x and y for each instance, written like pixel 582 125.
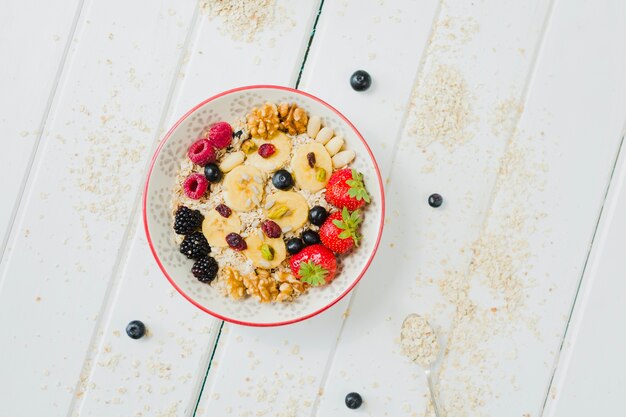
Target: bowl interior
pixel 158 220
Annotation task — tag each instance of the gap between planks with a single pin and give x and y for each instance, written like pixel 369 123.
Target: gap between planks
pixel 582 276
pixel 40 130
pixel 296 84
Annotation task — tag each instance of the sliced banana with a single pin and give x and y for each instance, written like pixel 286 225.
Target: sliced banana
pixel 288 209
pixel 263 251
pixel 277 160
pixel 215 227
pixel 307 177
pixel 244 188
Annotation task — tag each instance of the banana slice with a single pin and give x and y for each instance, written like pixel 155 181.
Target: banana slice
pixel 288 209
pixel 263 251
pixel 244 187
pixel 316 178
pixel 215 227
pixel 282 143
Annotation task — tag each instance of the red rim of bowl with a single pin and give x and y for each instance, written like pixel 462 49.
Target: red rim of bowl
pixel 228 319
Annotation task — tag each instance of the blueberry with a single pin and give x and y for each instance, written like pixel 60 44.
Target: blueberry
pixel 294 245
pixel 135 329
pixel 310 237
pixel 354 400
pixel 237 134
pixel 212 173
pixel 318 215
pixel 282 179
pixel 435 200
pixel 360 80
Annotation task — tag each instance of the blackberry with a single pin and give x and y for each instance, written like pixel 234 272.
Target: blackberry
pixel 195 246
pixel 187 220
pixel 205 269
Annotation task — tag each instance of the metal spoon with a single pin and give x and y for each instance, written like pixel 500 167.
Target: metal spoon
pixel 419 343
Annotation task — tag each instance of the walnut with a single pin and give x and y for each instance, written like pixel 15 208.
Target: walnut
pixel 293 119
pixel 234 283
pixel 263 122
pixel 289 287
pixel 261 286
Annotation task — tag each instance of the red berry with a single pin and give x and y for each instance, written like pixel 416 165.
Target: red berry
pixel 339 232
pixel 224 210
pixel 316 265
pixel 271 229
pixel 201 152
pixel 220 135
pixel 236 242
pixel 345 188
pixel 195 186
pixel 266 150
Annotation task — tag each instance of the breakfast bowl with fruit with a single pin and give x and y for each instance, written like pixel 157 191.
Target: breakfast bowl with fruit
pixel 263 206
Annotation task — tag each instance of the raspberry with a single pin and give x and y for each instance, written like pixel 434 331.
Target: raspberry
pixel 195 246
pixel 221 135
pixel 224 210
pixel 205 269
pixel 195 186
pixel 236 242
pixel 271 229
pixel 266 150
pixel 187 220
pixel 201 152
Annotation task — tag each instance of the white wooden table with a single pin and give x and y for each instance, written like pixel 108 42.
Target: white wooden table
pixel 521 271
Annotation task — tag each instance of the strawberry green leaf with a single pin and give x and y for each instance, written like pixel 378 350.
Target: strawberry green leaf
pixel 357 187
pixel 312 273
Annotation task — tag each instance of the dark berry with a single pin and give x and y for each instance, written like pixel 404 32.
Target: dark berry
pixel 310 158
pixel 266 150
pixel 195 246
pixel 318 215
pixel 236 242
pixel 212 173
pixel 136 329
pixel 354 400
pixel 310 237
pixel 294 245
pixel 435 200
pixel 205 269
pixel 224 210
pixel 187 220
pixel 282 179
pixel 271 229
pixel 360 80
pixel 237 134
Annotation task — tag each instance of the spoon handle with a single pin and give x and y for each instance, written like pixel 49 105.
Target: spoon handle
pixel 431 388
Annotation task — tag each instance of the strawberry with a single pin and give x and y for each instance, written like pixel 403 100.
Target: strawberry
pixel 339 232
pixel 316 265
pixel 345 188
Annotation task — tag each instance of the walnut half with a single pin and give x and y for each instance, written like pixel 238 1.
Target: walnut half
pixel 263 122
pixel 293 119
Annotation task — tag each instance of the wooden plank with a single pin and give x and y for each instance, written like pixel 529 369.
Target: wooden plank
pixel 85 179
pixel 28 77
pixel 423 248
pixel 280 371
pixel 591 367
pixel 165 372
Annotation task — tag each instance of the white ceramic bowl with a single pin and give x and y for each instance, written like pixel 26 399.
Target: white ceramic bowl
pixel 229 106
